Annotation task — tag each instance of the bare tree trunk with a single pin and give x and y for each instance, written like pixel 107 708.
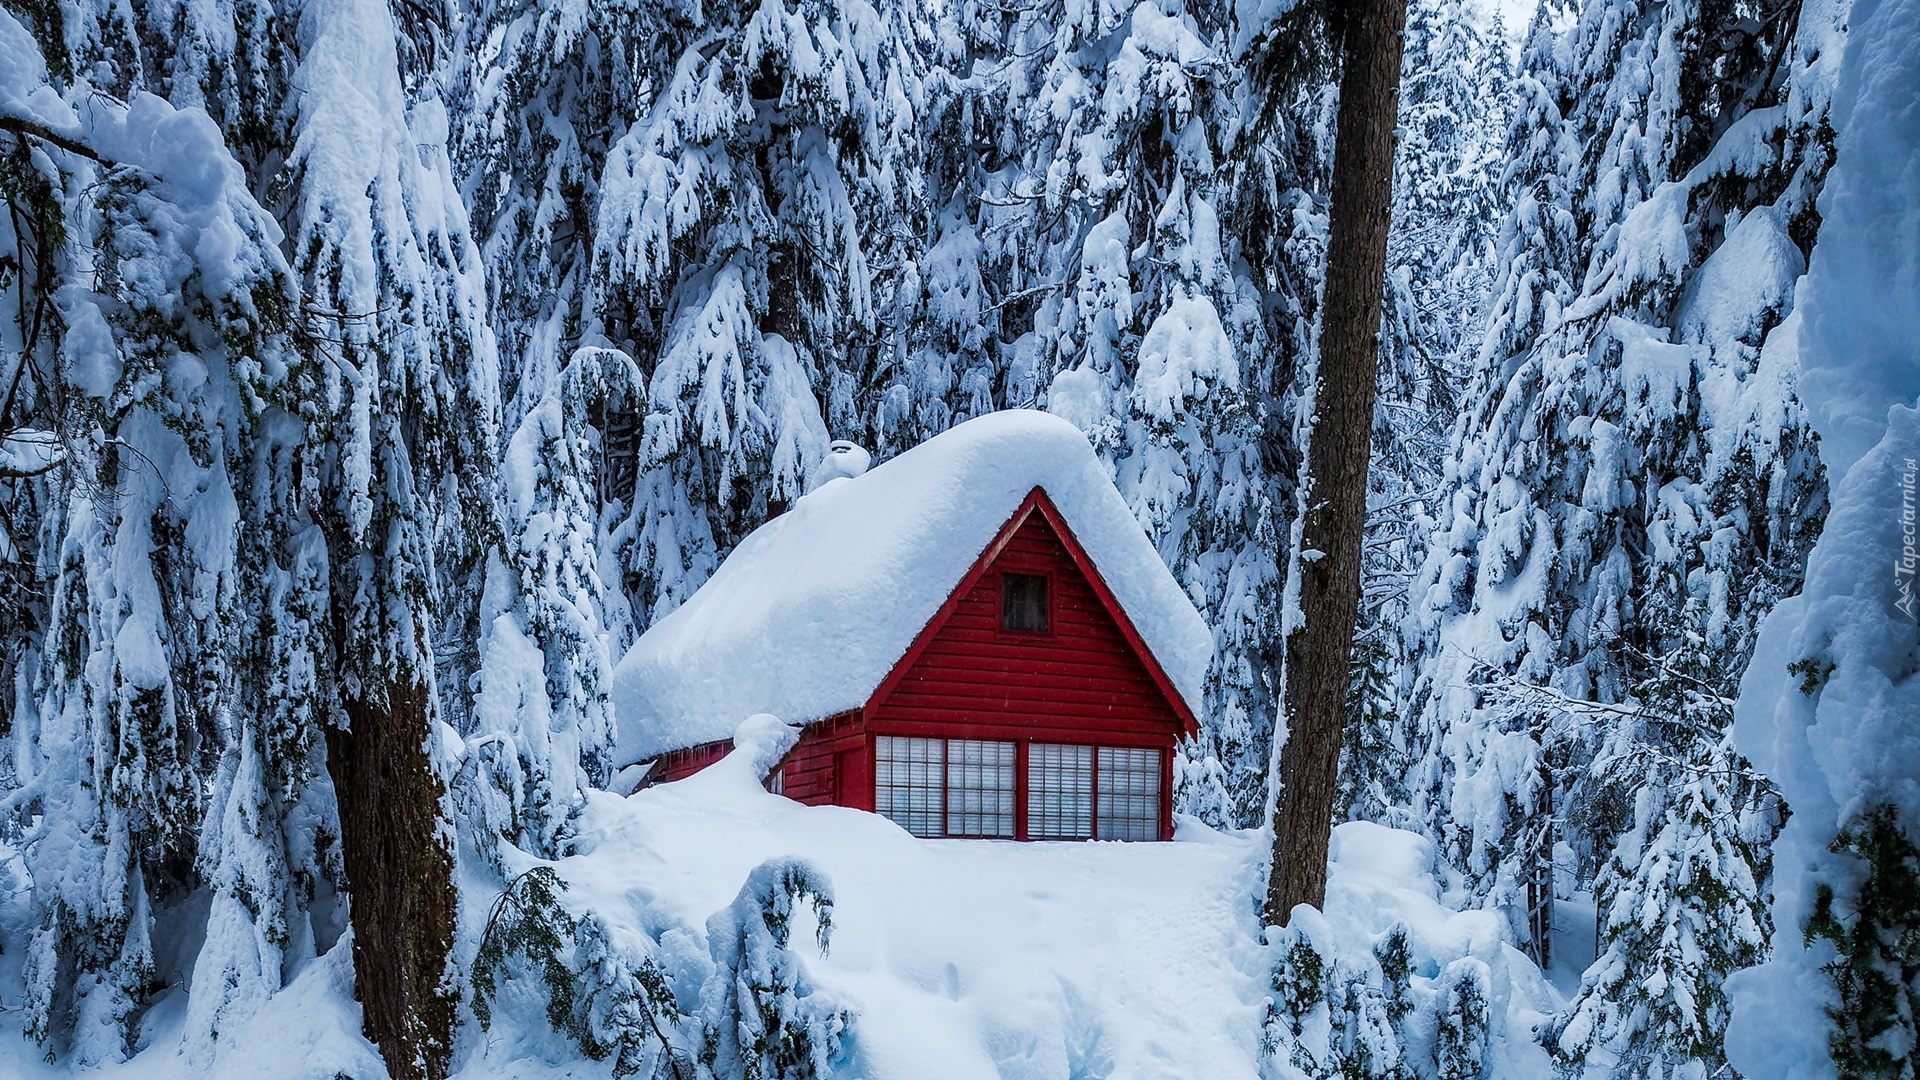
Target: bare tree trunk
pixel 399 879
pixel 1319 651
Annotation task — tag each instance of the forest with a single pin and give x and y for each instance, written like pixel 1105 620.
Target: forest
pixel 377 372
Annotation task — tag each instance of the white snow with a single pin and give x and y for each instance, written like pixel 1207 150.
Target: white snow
pixel 1861 345
pixel 811 612
pixel 1853 742
pixel 962 959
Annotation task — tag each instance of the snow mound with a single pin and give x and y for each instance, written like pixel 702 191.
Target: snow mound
pixel 960 959
pixel 983 960
pixel 811 612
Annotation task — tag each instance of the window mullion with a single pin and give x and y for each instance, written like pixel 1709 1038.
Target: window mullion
pixel 1093 795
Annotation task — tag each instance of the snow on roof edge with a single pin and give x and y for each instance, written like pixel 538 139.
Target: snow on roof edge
pixel 814 609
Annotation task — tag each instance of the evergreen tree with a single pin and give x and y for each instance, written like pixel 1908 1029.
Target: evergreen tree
pixel 1122 241
pixel 1876 962
pixel 1440 256
pixel 552 618
pixel 402 406
pixel 152 378
pixel 1604 467
pixel 1683 890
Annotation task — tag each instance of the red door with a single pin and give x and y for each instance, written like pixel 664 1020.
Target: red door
pixel 853 779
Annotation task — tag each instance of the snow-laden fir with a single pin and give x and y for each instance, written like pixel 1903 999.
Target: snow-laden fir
pixel 373 376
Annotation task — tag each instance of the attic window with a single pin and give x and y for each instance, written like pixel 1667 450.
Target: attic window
pixel 1023 602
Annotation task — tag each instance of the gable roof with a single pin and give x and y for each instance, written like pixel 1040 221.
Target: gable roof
pixel 812 611
pixel 1038 509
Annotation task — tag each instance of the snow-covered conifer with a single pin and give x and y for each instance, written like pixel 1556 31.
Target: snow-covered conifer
pixel 401 398
pixel 552 619
pixel 762 1018
pixel 152 377
pixel 1441 255
pixel 1628 382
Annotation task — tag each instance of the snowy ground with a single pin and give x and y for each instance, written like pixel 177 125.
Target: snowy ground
pixel 961 959
pixel 1575 941
pixel 968 958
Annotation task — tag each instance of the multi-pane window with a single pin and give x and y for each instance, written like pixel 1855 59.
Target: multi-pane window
pixel 909 783
pixel 966 787
pixel 1129 793
pixel 945 787
pixel 979 788
pixel 1059 792
pixel 1023 602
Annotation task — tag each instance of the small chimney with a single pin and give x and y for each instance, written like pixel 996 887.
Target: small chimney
pixel 844 459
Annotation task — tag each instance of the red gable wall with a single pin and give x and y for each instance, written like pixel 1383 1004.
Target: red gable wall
pixel 1082 681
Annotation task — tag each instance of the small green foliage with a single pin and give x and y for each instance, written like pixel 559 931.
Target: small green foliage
pixel 527 921
pixel 1461 1039
pixel 1396 965
pixel 1877 971
pixel 1300 982
pixel 1813 672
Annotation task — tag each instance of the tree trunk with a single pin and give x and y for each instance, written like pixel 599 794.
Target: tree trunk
pixel 399 879
pixel 1319 650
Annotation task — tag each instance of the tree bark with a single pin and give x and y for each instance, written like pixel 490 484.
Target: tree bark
pixel 399 879
pixel 1319 650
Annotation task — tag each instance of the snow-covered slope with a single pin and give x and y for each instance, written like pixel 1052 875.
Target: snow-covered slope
pixel 813 609
pixel 969 960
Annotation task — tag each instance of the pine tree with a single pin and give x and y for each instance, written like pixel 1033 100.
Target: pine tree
pixel 402 401
pixel 1604 465
pixel 1323 583
pixel 1683 890
pixel 603 989
pixel 553 617
pixel 150 378
pixel 1440 257
pixel 1876 965
pixel 1121 246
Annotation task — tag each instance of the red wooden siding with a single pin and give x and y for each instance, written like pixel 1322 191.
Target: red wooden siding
pixel 680 764
pixel 825 767
pixel 1082 681
pixel 832 763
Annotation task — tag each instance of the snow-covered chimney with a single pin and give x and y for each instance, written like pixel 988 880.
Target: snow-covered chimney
pixel 843 459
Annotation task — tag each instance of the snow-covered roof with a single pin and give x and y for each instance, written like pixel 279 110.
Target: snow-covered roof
pixel 813 610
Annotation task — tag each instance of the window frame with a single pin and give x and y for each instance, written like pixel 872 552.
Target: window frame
pixel 1022 791
pixel 943 789
pixel 1048 611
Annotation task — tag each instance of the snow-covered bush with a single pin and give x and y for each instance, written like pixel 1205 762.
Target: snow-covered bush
pixel 1367 1016
pixel 760 1016
pixel 604 991
pixel 1387 985
pixel 1876 966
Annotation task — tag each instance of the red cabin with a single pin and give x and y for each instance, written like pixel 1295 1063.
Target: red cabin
pixel 1008 684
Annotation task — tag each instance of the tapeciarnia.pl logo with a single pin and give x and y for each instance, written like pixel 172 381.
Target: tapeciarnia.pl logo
pixel 1909 561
